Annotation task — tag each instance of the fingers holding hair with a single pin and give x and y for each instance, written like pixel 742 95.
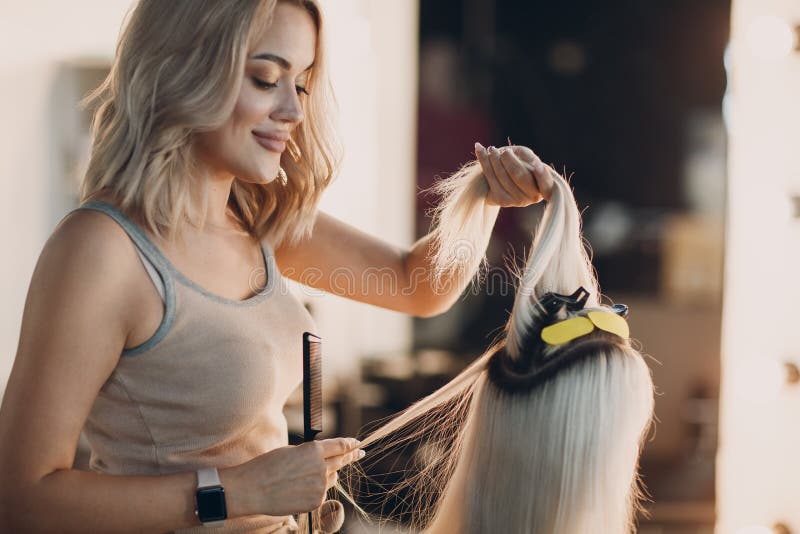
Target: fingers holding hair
pixel 544 174
pixel 518 196
pixel 520 174
pixel 498 195
pixel 333 477
pixel 334 447
pixel 335 463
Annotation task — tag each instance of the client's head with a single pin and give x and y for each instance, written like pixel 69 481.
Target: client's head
pixel 542 433
pixel 551 440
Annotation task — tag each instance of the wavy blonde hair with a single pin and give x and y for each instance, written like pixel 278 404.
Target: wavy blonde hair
pixel 502 449
pixel 177 72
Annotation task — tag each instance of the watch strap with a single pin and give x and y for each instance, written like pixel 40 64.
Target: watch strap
pixel 208 477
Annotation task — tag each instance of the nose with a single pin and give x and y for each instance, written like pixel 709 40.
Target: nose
pixel 289 108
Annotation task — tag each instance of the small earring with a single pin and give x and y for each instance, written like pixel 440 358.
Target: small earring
pixel 282 176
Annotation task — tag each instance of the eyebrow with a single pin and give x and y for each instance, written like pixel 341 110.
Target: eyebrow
pixel 279 60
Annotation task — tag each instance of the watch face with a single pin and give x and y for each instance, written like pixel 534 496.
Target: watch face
pixel 211 504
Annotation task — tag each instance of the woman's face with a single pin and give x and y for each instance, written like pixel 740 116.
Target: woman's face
pixel 270 104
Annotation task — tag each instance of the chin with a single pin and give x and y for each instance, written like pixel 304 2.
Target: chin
pixel 259 178
pixel 257 181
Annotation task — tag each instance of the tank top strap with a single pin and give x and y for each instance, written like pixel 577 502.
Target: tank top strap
pixel 135 232
pixel 155 259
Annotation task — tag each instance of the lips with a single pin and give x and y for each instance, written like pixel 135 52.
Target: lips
pixel 272 141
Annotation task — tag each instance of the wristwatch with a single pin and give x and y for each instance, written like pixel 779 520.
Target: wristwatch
pixel 210 498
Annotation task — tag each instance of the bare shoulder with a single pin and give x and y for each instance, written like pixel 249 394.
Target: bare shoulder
pixel 75 322
pixel 87 225
pixel 88 253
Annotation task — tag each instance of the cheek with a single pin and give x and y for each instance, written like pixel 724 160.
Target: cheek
pixel 250 109
pixel 212 146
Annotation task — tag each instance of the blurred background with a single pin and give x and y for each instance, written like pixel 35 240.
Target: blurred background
pixel 678 124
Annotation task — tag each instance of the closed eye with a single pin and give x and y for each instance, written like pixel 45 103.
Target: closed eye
pixel 261 84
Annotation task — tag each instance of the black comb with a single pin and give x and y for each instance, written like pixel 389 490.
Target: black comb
pixel 312 391
pixel 312 386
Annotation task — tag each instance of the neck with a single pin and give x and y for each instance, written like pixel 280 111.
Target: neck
pixel 219 216
pixel 216 201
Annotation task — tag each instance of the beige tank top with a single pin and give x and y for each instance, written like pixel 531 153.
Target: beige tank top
pixel 208 388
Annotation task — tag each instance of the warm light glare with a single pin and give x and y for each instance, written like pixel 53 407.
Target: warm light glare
pixel 757 464
pixel 770 38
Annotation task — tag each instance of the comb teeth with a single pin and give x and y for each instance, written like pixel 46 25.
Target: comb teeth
pixel 312 385
pixel 315 379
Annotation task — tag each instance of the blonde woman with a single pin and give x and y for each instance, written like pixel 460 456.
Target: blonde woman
pixel 155 319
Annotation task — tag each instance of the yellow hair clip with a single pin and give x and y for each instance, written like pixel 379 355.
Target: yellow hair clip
pixel 575 327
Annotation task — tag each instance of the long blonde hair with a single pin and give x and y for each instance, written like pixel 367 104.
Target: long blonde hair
pixel 508 455
pixel 177 72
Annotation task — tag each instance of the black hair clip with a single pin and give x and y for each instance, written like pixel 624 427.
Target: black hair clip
pixel 537 360
pixel 551 303
pixel 620 309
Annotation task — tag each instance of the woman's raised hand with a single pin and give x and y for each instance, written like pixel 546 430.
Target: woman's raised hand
pixel 290 480
pixel 516 176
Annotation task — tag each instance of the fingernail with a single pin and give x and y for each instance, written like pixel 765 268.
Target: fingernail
pixel 539 166
pixel 479 146
pixel 361 454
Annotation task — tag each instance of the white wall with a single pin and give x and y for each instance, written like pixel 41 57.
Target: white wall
pixel 35 38
pixel 374 45
pixel 758 461
pixel 374 60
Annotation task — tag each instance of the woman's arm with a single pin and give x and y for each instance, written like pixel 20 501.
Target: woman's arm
pixel 74 326
pixel 343 260
pixel 80 310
